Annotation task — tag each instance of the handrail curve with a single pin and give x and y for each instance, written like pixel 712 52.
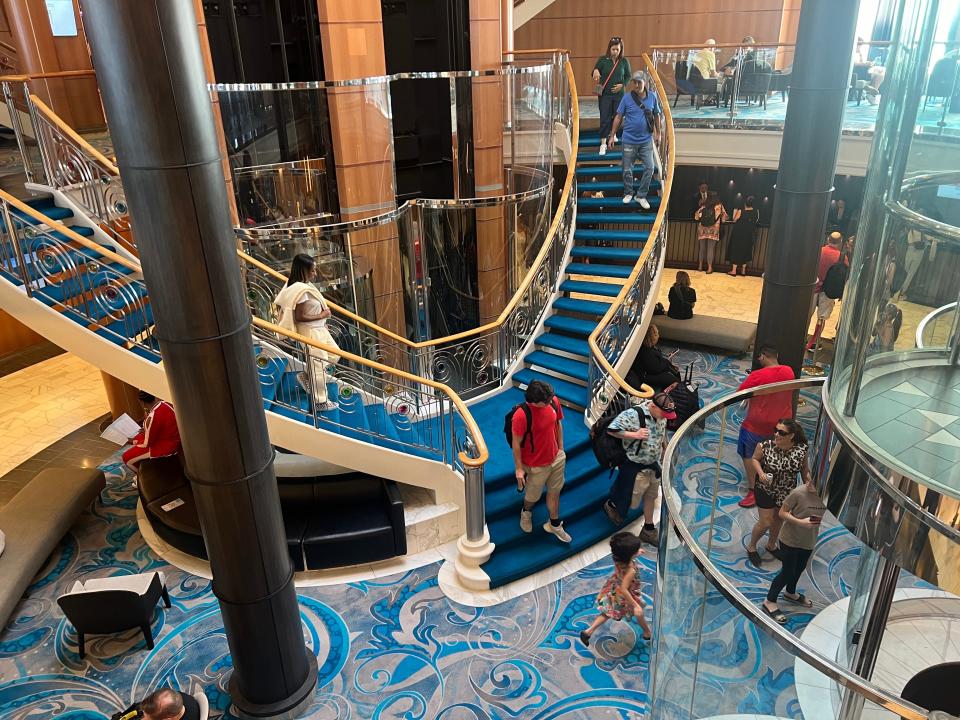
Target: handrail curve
pixel 750 610
pixel 930 317
pixel 667 180
pixel 73 134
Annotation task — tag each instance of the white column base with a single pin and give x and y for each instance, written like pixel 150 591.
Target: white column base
pixel 470 556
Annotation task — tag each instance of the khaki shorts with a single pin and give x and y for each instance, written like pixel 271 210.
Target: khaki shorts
pixel 646 487
pixel 547 476
pixel 823 305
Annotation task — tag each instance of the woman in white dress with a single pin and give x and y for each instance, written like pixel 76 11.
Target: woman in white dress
pixel 304 311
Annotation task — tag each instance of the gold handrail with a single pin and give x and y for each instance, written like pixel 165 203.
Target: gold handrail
pixel 340 309
pixel 654 230
pixel 51 116
pixel 73 236
pixel 48 75
pixel 472 427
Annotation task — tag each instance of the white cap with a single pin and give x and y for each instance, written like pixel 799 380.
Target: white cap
pixel 710 41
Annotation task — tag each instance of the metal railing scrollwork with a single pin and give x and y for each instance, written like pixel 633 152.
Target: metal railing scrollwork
pixel 610 339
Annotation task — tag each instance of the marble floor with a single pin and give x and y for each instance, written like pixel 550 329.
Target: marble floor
pixel 42 404
pixel 738 298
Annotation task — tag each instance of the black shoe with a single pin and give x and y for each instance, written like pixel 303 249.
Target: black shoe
pixel 754 558
pixel 612 514
pixel 585 638
pixel 650 535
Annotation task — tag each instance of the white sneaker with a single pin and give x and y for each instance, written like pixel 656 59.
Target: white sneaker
pixel 627 199
pixel 560 533
pixel 603 148
pixel 526 520
pixel 643 203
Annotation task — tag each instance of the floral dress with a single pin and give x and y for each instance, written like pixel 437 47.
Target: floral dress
pixel 784 465
pixel 609 601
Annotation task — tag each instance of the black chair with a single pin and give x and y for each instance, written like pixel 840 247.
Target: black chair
pixel 707 90
pixel 110 605
pixel 941 81
pixel 780 82
pixel 755 86
pixel 683 83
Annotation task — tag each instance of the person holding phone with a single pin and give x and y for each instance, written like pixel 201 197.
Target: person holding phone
pixel 777 462
pixel 801 513
pixel 651 366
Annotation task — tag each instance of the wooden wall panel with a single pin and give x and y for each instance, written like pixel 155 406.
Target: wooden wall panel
pixel 585 27
pixel 15 336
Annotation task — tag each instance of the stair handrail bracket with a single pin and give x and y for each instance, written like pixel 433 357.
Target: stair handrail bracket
pixel 615 340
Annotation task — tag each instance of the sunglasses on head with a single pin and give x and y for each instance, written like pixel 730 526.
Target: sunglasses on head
pixel 615 40
pixel 782 433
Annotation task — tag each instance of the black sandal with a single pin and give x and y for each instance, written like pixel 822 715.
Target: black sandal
pixel 800 599
pixel 585 638
pixel 754 557
pixel 777 614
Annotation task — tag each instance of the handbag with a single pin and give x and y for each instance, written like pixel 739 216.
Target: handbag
pixel 598 88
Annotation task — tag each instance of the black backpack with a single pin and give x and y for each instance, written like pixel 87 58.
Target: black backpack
pixel 608 449
pixel 708 217
pixel 508 423
pixel 835 280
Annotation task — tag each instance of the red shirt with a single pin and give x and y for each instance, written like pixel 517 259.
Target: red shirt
pixel 765 411
pixel 544 433
pixel 829 256
pixel 164 433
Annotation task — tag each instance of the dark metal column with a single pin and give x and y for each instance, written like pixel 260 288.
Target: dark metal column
pixel 151 75
pixel 808 159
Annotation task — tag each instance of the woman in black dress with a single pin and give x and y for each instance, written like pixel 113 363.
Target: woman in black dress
pixel 651 366
pixel 740 251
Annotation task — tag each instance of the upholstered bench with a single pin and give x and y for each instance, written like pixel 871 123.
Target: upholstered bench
pixel 715 332
pixel 35 520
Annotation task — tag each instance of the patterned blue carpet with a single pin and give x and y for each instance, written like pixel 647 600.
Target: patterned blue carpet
pixel 398 648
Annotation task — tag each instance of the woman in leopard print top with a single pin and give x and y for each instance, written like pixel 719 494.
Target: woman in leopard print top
pixel 778 462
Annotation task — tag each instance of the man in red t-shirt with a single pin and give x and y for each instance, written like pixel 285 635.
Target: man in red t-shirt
pixel 763 412
pixel 538 456
pixel 829 256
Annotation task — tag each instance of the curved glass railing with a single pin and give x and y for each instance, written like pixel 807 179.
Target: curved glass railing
pixel 935 329
pixel 615 339
pixel 717 653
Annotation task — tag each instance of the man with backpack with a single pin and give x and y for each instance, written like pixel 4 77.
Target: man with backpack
pixel 643 431
pixel 831 279
pixel 538 458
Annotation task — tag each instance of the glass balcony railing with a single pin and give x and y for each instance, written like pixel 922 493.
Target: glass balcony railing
pixel 879 544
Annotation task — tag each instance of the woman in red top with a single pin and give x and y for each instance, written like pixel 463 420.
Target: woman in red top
pixel 160 435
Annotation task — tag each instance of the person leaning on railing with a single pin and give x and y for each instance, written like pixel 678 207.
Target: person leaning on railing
pixel 610 76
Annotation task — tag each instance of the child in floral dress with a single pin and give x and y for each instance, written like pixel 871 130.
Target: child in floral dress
pixel 620 597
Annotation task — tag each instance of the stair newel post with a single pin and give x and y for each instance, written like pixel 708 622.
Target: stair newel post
pixel 17 250
pixel 18 129
pixel 474 547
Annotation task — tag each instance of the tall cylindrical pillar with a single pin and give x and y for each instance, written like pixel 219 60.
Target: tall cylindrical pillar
pixel 151 71
pixel 808 159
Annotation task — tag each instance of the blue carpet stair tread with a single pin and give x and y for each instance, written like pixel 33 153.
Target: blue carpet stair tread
pixel 564 343
pixel 573 326
pixel 619 254
pixel 638 218
pixel 576 369
pixel 586 307
pixel 610 185
pixel 593 155
pixel 591 288
pixel 502 497
pixel 613 271
pixel 637 236
pixel 566 391
pixel 606 171
pixel 615 202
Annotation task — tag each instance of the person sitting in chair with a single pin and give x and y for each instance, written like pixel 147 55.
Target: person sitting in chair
pixel 160 435
pixel 651 366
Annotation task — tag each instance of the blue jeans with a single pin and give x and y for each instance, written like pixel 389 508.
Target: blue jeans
pixel 630 153
pixel 621 491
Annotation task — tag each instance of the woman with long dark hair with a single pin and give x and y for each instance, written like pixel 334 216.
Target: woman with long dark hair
pixel 611 74
pixel 651 366
pixel 778 462
pixel 708 217
pixel 304 310
pixel 740 251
